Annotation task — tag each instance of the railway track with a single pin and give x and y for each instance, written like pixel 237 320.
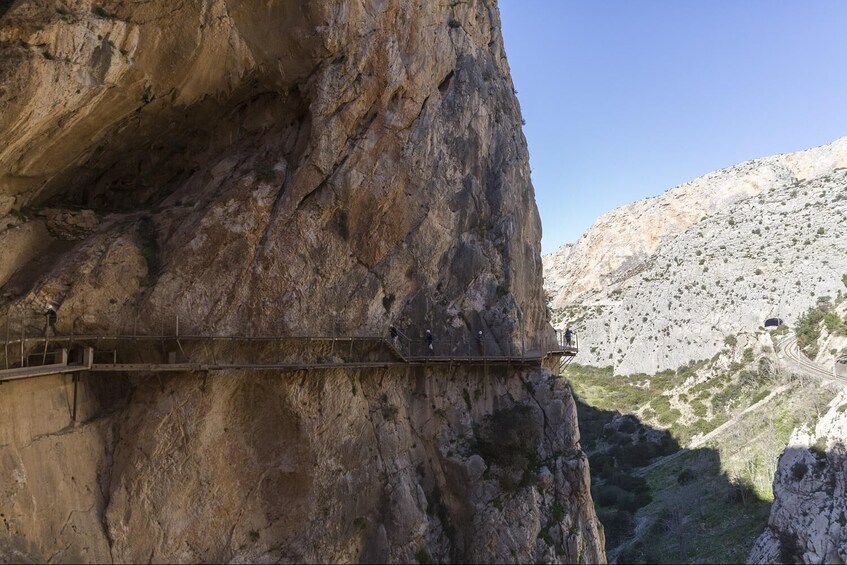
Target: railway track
pixel 794 359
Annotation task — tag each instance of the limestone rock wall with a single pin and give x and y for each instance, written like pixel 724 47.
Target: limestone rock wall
pixel 338 466
pixel 808 521
pixel 621 242
pixel 363 156
pixel 288 168
pixel 768 255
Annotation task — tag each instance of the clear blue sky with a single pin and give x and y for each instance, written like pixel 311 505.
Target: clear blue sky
pixel 625 99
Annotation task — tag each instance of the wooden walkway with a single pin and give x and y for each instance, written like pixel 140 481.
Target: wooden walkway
pixel 192 353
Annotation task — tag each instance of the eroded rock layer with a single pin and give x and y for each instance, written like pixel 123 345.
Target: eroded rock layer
pixel 311 168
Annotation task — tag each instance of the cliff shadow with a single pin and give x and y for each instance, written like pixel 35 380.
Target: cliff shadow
pixel 661 503
pixel 809 510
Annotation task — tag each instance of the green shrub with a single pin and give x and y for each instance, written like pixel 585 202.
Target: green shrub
pixel 685 476
pixel 833 322
pixel 618 525
pixel 808 329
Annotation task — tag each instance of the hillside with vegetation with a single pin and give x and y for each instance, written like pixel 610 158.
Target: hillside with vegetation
pixel 773 254
pixel 711 434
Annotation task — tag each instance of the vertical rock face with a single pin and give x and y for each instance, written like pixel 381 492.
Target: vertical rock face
pixel 288 168
pixel 362 156
pixel 808 522
pixel 337 466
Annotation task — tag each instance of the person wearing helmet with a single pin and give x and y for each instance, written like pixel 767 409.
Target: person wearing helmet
pixel 395 337
pixel 51 317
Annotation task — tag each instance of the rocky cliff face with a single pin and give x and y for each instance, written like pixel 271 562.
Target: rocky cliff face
pixel 365 158
pixel 809 514
pixel 752 257
pixel 287 168
pixel 370 466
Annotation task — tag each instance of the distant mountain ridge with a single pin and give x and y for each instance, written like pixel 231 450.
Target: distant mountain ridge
pixel 620 241
pixel 663 281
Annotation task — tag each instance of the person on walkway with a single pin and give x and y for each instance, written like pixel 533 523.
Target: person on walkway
pixel 568 337
pixel 51 317
pixel 481 342
pixel 394 337
pixel 429 339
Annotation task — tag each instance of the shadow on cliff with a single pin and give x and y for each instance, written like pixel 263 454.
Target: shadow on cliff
pixel 809 508
pixel 674 512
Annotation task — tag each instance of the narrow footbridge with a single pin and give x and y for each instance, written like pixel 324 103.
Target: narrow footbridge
pixel 30 357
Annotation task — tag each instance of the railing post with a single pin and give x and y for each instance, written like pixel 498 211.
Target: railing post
pixel 6 347
pixel 523 333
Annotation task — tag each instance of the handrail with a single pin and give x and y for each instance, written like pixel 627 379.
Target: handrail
pixel 21 346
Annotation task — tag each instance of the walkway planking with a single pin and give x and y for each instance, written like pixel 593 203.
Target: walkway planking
pixel 92 345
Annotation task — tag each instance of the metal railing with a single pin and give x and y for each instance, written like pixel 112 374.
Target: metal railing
pixel 29 341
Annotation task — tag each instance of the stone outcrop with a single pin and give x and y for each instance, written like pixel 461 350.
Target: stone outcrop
pixel 808 521
pixel 278 168
pixel 768 255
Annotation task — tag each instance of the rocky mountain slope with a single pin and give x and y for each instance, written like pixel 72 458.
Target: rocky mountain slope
pixel 772 251
pixel 621 241
pixel 289 168
pixel 809 514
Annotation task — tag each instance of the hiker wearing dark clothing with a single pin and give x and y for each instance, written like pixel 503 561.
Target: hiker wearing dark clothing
pixel 568 337
pixel 51 318
pixel 394 335
pixel 429 342
pixel 481 342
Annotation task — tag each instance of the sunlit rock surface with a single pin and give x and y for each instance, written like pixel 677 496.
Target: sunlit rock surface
pixel 320 168
pixel 762 239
